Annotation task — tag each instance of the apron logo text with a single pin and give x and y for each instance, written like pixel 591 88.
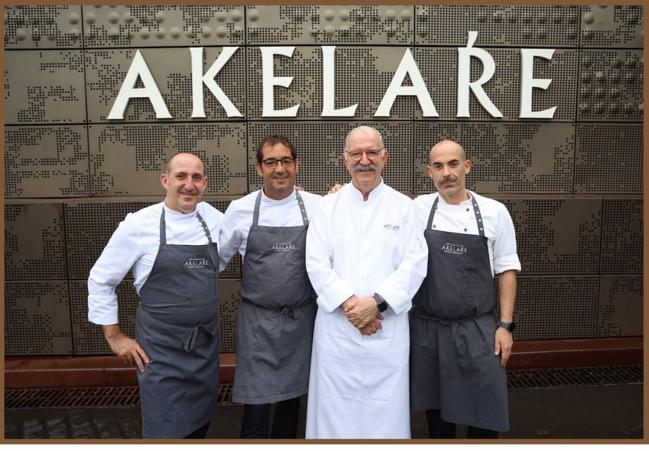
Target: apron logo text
pixel 195 263
pixel 283 247
pixel 451 248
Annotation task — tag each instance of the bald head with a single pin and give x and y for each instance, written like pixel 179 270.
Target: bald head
pixel 185 157
pixel 447 145
pixel 363 130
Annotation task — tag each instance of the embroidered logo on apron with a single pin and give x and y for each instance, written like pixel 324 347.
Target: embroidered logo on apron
pixel 283 247
pixel 196 263
pixel 451 248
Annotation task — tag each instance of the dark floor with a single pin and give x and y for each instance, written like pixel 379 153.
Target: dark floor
pixel 558 412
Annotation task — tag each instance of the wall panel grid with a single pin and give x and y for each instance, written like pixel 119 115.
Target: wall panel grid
pixel 573 183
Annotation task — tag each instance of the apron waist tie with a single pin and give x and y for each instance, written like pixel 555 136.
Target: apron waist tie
pixel 446 321
pixel 284 310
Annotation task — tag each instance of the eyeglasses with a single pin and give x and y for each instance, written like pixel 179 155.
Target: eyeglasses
pixel 271 163
pixel 358 155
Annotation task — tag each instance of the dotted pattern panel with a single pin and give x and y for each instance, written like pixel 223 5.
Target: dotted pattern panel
pixel 42 26
pixel 90 226
pixel 34 242
pixel 128 159
pixel 88 338
pixel 37 318
pixel 552 308
pixel 439 66
pixel 557 236
pixel 46 161
pixel 622 237
pixel 611 85
pixel 612 26
pixel 524 26
pixel 620 306
pixel 44 87
pixel 349 24
pixel 366 70
pixel 510 158
pixel 608 158
pixel 320 145
pixel 143 26
pixel 171 70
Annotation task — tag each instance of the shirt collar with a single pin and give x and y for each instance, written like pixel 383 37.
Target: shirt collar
pixel 169 213
pixel 358 195
pixel 286 200
pixel 443 202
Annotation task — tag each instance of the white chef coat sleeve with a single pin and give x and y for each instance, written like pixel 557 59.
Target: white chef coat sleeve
pixel 119 255
pixel 401 286
pixel 504 246
pixel 229 236
pixel 331 289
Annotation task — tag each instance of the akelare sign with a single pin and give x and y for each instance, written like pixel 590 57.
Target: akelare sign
pixel 407 68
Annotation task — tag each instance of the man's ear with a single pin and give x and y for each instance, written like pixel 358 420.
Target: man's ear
pixel 164 180
pixel 429 170
pixel 259 171
pixel 468 164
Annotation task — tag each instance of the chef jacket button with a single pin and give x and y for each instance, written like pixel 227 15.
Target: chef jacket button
pixel 434 226
pixel 465 230
pixel 467 209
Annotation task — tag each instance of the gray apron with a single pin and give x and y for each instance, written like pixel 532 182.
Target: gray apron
pixel 452 363
pixel 177 325
pixel 276 315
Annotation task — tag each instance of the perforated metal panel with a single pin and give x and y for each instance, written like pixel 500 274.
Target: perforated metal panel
pixel 42 26
pixel 612 26
pixel 439 67
pixel 551 308
pixel 128 159
pixel 144 26
pixel 46 161
pixel 44 86
pixel 348 24
pixel 363 74
pixel 34 242
pixel 320 146
pixel 525 26
pixel 611 85
pixel 622 236
pixel 228 307
pixel 620 306
pixel 608 158
pixel 89 226
pixel 37 318
pixel 171 70
pixel 513 158
pixel 557 236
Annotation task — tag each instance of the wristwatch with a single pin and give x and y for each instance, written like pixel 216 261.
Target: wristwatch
pixel 507 326
pixel 381 303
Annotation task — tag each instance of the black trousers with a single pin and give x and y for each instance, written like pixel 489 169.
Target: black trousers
pixel 256 419
pixel 438 428
pixel 201 432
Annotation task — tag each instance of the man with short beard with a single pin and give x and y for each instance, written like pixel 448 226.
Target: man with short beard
pixel 171 247
pixel 366 259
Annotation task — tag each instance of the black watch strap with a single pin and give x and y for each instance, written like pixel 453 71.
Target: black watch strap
pixel 507 326
pixel 381 303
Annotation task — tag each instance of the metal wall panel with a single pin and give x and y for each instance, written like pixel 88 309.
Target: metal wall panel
pixel 320 146
pixel 45 86
pixel 520 26
pixel 553 308
pixel 34 242
pixel 439 68
pixel 42 26
pixel 171 70
pixel 145 26
pixel 348 24
pixel 622 236
pixel 128 159
pixel 611 85
pixel 608 158
pixel 620 306
pixel 556 236
pixel 228 306
pixel 46 161
pixel 37 318
pixel 507 158
pixel 612 26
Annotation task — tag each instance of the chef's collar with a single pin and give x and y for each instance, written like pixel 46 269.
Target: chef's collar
pixel 178 214
pixel 270 200
pixel 443 202
pixel 358 195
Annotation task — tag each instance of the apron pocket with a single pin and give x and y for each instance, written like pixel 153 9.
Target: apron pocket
pixel 197 337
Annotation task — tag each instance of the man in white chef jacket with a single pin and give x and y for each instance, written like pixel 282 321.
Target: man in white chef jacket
pixel 366 259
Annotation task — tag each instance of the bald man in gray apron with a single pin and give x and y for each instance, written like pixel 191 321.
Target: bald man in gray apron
pixel 277 311
pixel 458 349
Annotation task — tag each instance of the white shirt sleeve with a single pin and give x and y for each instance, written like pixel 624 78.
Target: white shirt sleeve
pixel 331 289
pixel 504 246
pixel 229 236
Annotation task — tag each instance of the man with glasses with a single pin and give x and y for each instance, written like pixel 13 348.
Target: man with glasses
pixel 275 319
pixel 366 260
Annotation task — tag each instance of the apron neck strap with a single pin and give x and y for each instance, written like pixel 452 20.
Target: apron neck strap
pixel 163 227
pixel 476 211
pixel 300 202
pixel 207 231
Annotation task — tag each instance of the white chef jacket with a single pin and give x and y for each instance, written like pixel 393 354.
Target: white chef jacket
pixel 236 224
pixel 498 225
pixel 358 385
pixel 135 244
